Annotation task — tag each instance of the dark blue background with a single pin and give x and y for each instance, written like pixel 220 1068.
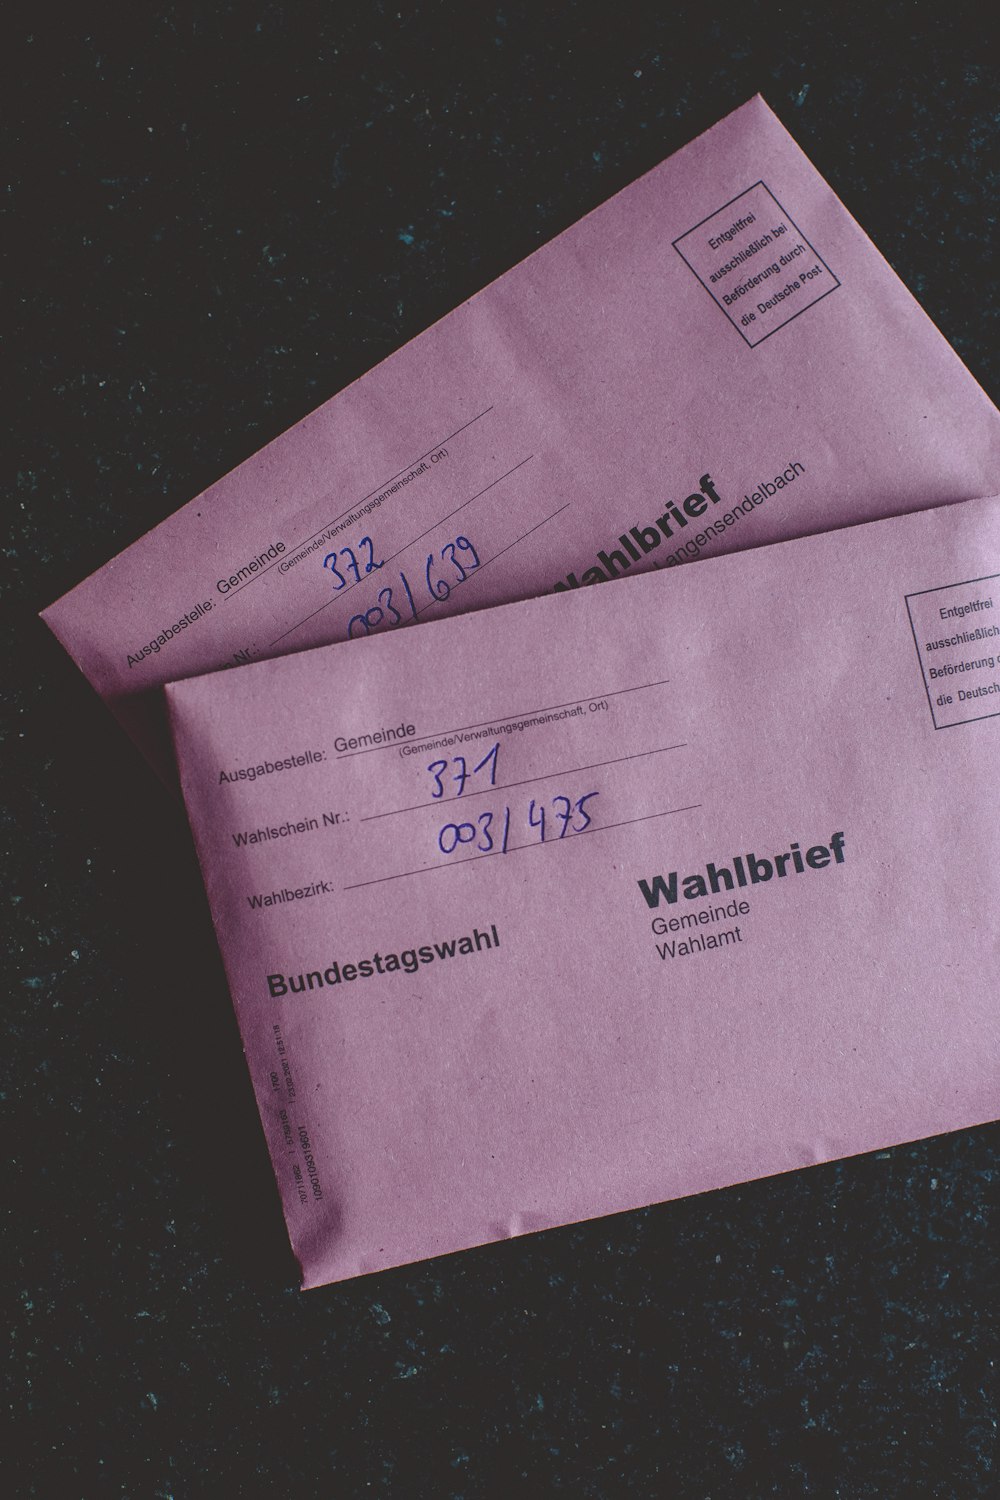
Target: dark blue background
pixel 215 218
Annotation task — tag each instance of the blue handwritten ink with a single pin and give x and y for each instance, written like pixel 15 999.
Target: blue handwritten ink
pixel 351 562
pixel 462 774
pixel 571 817
pixel 444 570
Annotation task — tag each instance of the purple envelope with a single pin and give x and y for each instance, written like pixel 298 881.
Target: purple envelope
pixel 593 901
pixel 715 359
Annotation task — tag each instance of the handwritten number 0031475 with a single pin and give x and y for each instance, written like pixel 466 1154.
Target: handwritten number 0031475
pixel 490 832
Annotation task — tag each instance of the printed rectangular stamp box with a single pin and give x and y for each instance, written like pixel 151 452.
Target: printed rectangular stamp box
pixel 756 264
pixel 956 630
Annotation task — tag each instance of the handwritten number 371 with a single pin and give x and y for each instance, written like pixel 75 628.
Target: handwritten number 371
pixel 461 773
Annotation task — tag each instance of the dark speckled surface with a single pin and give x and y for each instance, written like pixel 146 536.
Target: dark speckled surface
pixel 214 218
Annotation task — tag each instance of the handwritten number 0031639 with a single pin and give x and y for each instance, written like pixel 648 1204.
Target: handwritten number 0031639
pixel 444 570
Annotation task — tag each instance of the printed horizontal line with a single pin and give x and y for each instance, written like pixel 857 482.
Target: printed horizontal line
pixel 955 723
pixel 963 583
pixel 438 734
pixel 509 785
pixel 306 540
pixel 517 848
pixel 400 550
pixel 716 211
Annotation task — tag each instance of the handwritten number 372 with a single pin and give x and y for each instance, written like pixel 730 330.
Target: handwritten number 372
pixel 350 563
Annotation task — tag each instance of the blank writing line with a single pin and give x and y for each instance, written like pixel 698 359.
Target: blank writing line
pixel 306 540
pixel 406 545
pixel 509 785
pixel 516 848
pixel 506 718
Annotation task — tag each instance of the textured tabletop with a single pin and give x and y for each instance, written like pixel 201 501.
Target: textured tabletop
pixel 213 224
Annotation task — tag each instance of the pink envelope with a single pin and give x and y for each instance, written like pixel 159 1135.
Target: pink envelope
pixel 598 900
pixel 716 358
